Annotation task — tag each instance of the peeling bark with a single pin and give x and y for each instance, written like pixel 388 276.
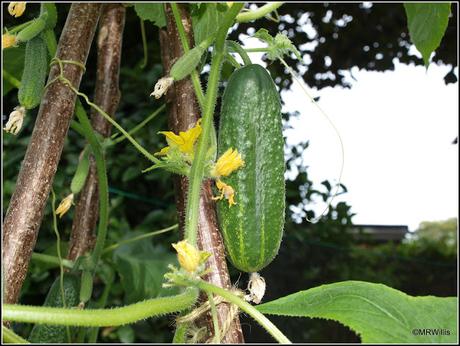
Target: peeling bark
pixel 25 212
pixel 107 96
pixel 183 112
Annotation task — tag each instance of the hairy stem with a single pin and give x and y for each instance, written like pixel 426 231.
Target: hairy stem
pixel 197 170
pixel 246 307
pixel 259 13
pixel 100 317
pixel 11 337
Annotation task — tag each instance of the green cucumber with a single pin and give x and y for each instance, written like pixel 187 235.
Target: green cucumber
pixel 44 333
pixel 34 73
pixel 251 123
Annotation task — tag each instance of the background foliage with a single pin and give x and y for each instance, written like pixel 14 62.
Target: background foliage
pixel 315 254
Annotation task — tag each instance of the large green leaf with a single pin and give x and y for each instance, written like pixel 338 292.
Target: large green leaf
pixel 206 19
pixel 13 64
pixel 376 312
pixel 427 23
pixel 151 11
pixel 141 267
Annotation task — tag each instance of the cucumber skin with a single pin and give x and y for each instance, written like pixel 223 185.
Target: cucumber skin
pixel 34 73
pixel 251 123
pixel 45 333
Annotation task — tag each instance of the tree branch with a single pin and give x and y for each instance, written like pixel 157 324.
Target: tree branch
pixel 183 113
pixel 25 212
pixel 107 96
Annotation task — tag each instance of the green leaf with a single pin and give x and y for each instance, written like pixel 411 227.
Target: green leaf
pixel 151 11
pixel 427 23
pixel 376 312
pixel 13 64
pixel 206 20
pixel 141 267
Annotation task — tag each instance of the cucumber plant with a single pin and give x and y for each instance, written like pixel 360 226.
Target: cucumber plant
pixel 246 161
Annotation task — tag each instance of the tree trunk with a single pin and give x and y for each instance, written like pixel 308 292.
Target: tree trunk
pixel 25 212
pixel 107 96
pixel 183 113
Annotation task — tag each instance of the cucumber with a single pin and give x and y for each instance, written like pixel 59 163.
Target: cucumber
pixel 34 73
pixel 43 333
pixel 251 123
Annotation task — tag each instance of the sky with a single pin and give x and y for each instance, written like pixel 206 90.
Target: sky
pixel 397 128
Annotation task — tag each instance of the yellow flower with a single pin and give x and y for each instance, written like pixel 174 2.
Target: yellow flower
pixel 184 141
pixel 189 256
pixel 8 40
pixel 226 191
pixel 65 205
pixel 16 9
pixel 228 162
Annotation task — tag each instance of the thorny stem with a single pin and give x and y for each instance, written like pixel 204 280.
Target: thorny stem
pixel 259 13
pixel 238 49
pixel 197 170
pixel 214 318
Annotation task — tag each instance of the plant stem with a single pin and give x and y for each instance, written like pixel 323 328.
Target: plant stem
pixel 259 13
pixel 102 181
pixel 58 250
pixel 217 337
pixel 136 128
pixel 240 50
pixel 144 43
pixel 256 50
pixel 100 317
pixel 246 307
pixel 197 170
pixel 180 335
pixel 48 259
pixel 19 27
pixel 183 38
pixel 11 337
pixel 11 79
pixel 142 236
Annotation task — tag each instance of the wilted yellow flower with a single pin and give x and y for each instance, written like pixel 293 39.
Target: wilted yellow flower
pixel 16 9
pixel 189 256
pixel 15 120
pixel 8 40
pixel 65 205
pixel 184 141
pixel 226 191
pixel 228 162
pixel 162 87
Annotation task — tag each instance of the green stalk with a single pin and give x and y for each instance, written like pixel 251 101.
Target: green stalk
pixel 256 50
pixel 10 337
pixel 183 38
pixel 48 259
pixel 139 126
pixel 103 185
pixel 11 79
pixel 215 322
pixel 238 49
pixel 259 13
pixel 75 125
pixel 58 250
pixel 144 43
pixel 100 317
pixel 232 60
pixel 246 307
pixel 180 335
pixel 140 237
pixel 19 27
pixel 197 170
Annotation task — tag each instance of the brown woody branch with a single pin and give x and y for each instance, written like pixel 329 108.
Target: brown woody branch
pixel 183 112
pixel 25 212
pixel 107 96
